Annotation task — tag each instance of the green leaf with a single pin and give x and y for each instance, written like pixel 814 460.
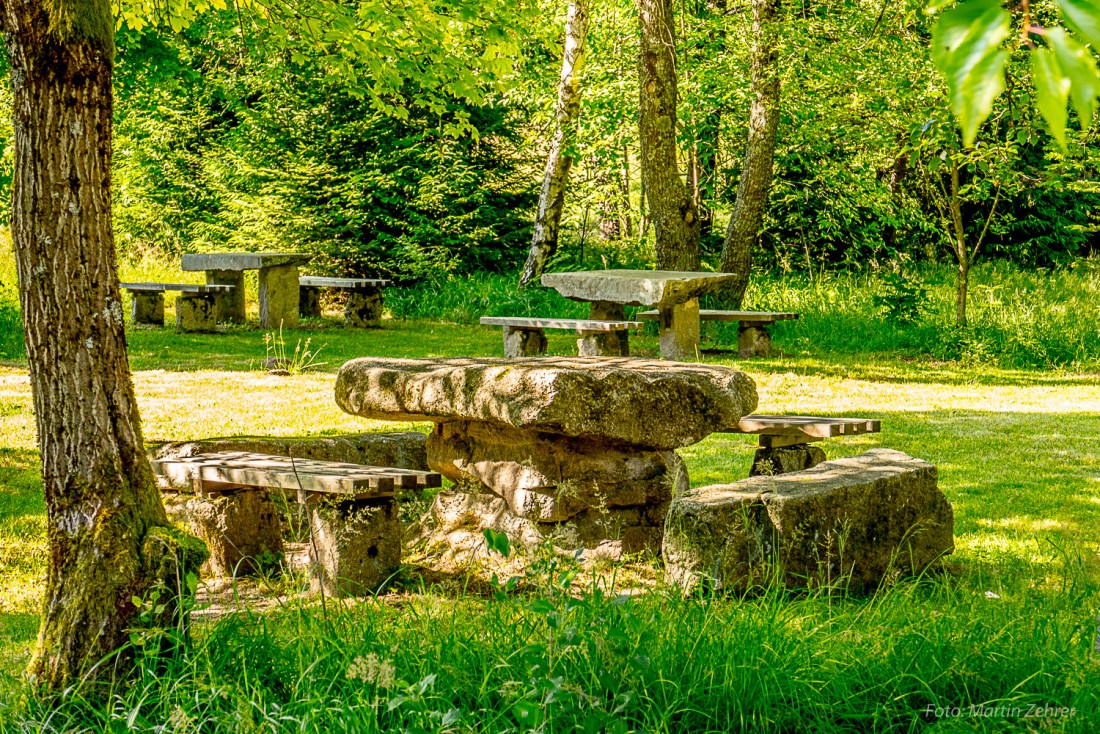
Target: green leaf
pixel 1051 92
pixel 497 541
pixel 1079 66
pixel 966 48
pixel 1083 18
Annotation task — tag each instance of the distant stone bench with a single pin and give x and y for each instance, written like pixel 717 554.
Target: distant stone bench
pixel 785 439
pixel 753 338
pixel 524 337
pixel 196 309
pixel 355 529
pixel 365 301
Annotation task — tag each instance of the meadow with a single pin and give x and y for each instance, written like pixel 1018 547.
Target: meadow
pixel 1004 638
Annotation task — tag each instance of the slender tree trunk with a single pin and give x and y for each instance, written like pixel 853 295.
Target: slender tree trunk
pixel 544 241
pixel 107 534
pixel 962 253
pixel 756 171
pixel 671 207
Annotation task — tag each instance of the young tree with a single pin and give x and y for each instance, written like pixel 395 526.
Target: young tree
pixel 544 241
pixel 671 206
pixel 109 540
pixel 756 169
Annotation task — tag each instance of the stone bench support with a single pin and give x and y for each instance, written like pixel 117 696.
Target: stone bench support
pixel 357 544
pixel 241 527
pixel 197 311
pixel 525 337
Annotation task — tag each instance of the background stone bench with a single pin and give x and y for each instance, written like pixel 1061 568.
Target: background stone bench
pixel 365 301
pixel 753 337
pixel 525 337
pixel 196 309
pixel 847 522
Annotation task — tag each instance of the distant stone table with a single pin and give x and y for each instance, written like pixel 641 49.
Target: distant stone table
pixel 675 294
pixel 580 450
pixel 278 283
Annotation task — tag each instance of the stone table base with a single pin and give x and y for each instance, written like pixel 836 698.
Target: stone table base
pixel 279 297
pixel 231 303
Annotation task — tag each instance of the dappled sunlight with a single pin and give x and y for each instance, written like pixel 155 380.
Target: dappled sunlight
pixel 1025 524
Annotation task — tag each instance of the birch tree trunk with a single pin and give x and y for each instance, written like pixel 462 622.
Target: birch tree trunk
pixel 544 240
pixel 671 206
pixel 756 171
pixel 108 538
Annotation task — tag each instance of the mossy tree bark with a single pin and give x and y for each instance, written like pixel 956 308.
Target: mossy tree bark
pixel 671 204
pixel 756 170
pixel 108 537
pixel 544 241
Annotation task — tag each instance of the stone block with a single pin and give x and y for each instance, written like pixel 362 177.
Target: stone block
pixel 309 300
pixel 197 312
pixel 846 522
pixel 241 529
pixel 358 545
pixel 231 304
pixel 753 341
pixel 147 308
pixel 609 343
pixel 363 309
pixel 678 331
pixel 279 297
pixel 524 342
pixel 786 459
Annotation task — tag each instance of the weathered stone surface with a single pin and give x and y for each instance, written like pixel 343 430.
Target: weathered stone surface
pixel 240 260
pixel 678 330
pixel 457 516
pixel 279 297
pixel 847 521
pixel 753 341
pixel 231 304
pixel 358 545
pixel 399 450
pixel 363 309
pixel 551 478
pixel 634 402
pixel 607 344
pixel 309 300
pixel 147 308
pixel 769 462
pixel 241 529
pixel 196 312
pixel 635 287
pixel 524 342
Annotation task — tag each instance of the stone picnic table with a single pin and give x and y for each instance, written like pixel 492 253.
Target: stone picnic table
pixel 278 283
pixel 675 294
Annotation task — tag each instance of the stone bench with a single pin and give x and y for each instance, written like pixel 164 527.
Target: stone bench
pixel 785 439
pixel 846 523
pixel 196 309
pixel 365 301
pixel 355 530
pixel 524 337
pixel 753 338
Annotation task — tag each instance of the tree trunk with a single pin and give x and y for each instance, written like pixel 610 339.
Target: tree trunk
pixel 962 252
pixel 544 241
pixel 671 208
pixel 756 170
pixel 108 538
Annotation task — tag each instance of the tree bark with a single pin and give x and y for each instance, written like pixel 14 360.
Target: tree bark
pixel 671 206
pixel 756 171
pixel 108 538
pixel 544 240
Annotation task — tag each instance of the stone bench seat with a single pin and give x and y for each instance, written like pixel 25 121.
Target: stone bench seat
pixel 355 530
pixel 784 439
pixel 753 338
pixel 524 337
pixel 196 309
pixel 365 301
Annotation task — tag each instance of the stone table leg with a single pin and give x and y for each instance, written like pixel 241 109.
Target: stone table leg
pixel 753 340
pixel 230 303
pixel 197 312
pixel 610 343
pixel 524 342
pixel 357 544
pixel 364 308
pixel 147 308
pixel 678 327
pixel 309 300
pixel 279 297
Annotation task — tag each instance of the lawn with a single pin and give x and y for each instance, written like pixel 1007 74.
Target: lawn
pixel 1010 624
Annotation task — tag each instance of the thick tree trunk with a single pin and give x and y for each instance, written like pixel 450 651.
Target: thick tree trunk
pixel 107 534
pixel 671 207
pixel 544 241
pixel 756 171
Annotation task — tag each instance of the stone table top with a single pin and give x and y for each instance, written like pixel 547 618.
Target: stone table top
pixel 241 260
pixel 661 288
pixel 651 404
